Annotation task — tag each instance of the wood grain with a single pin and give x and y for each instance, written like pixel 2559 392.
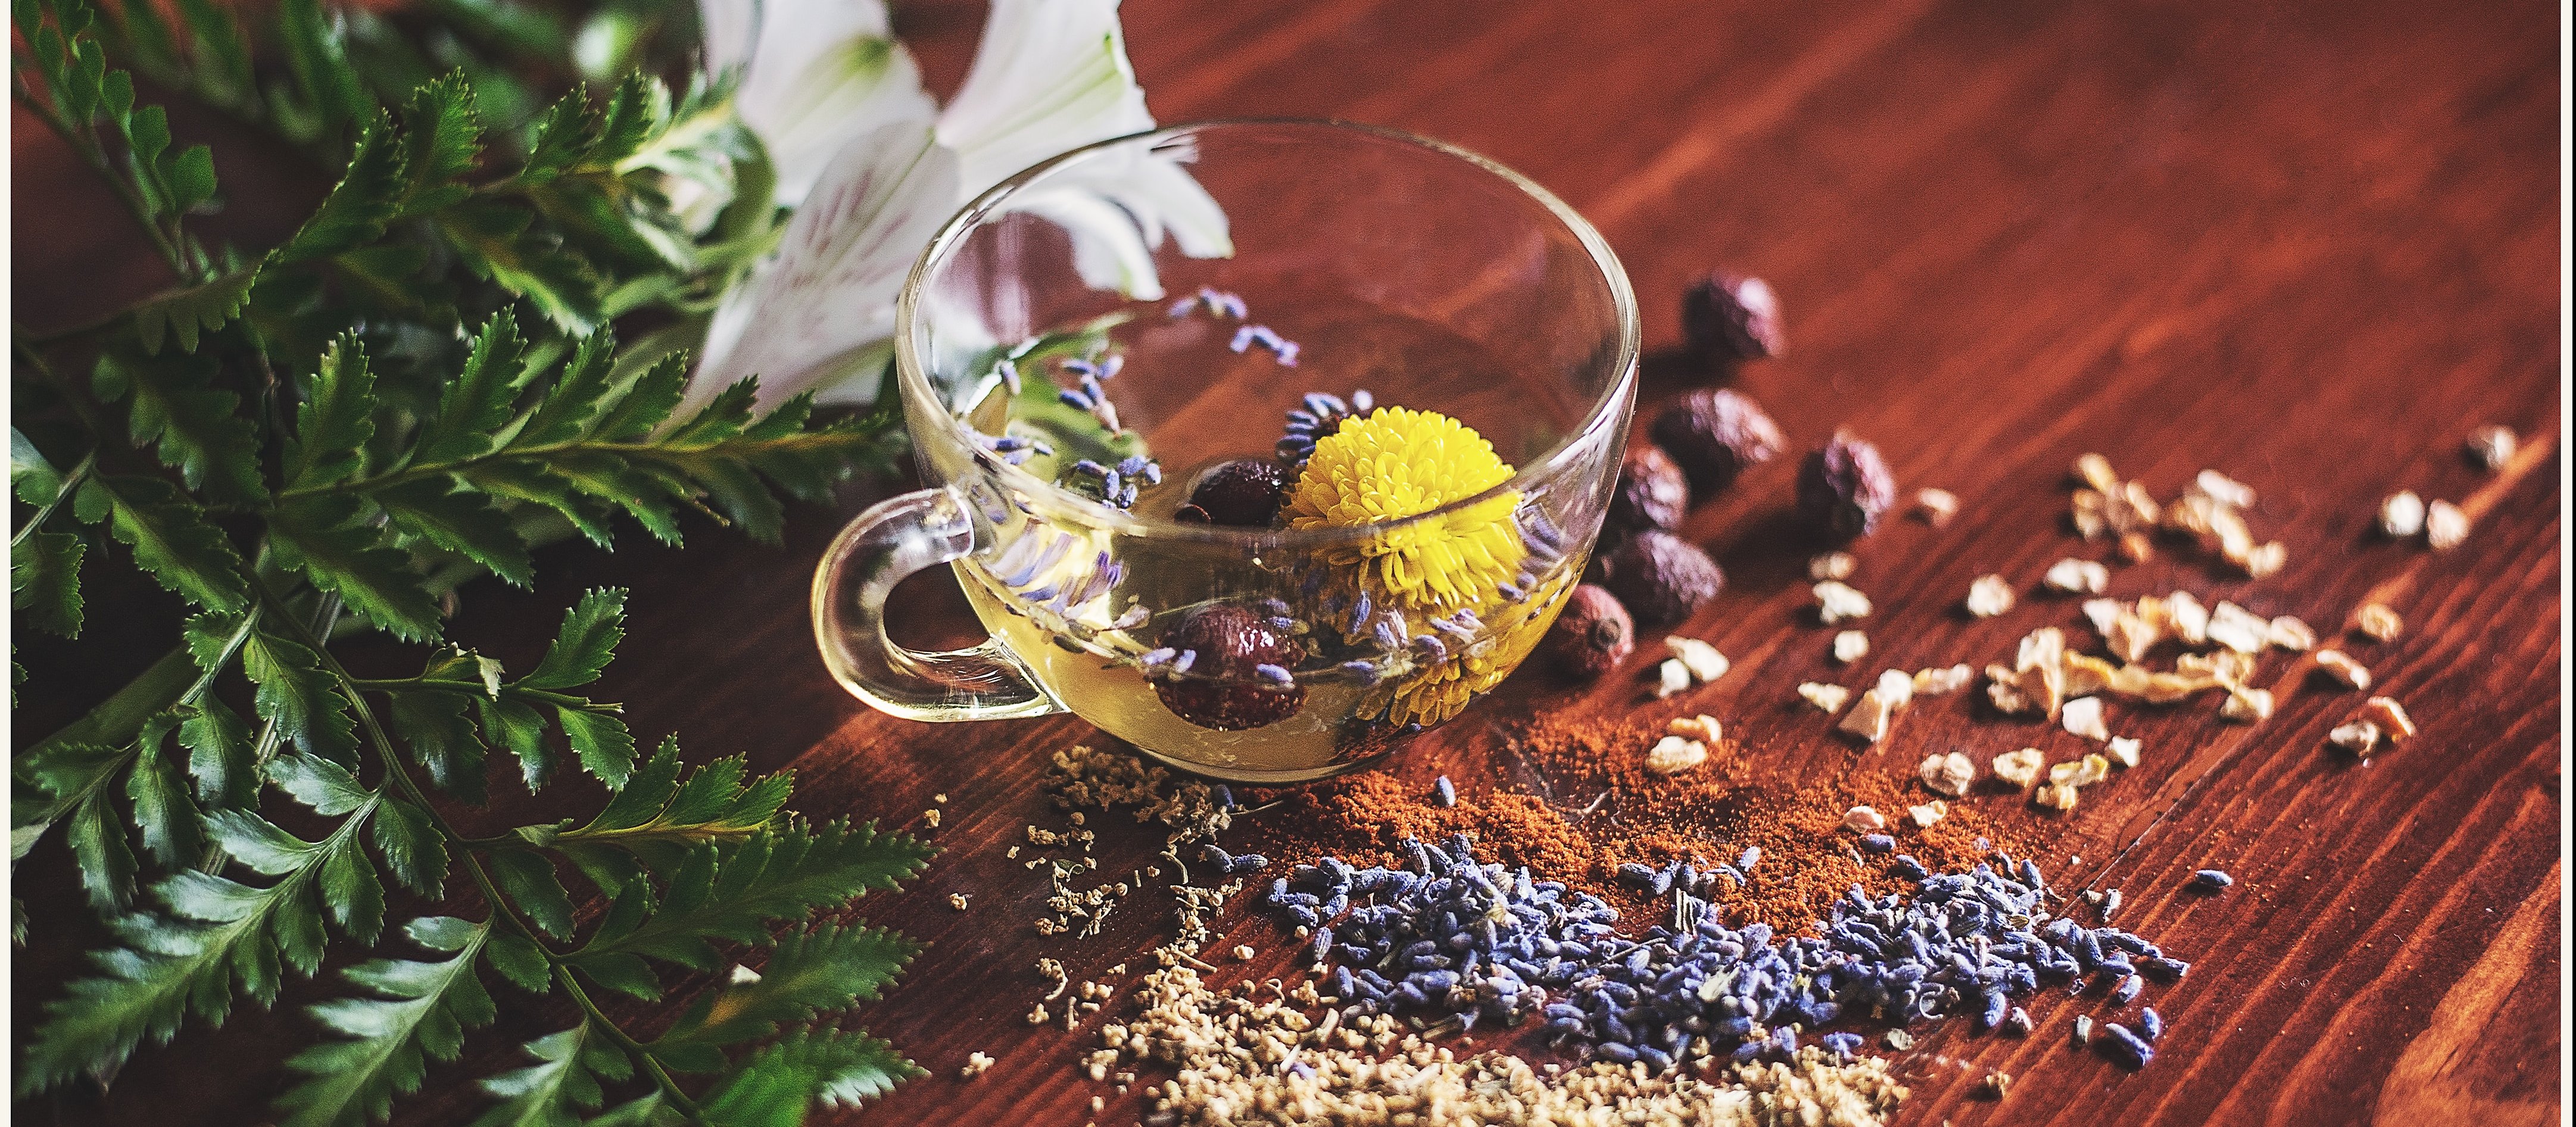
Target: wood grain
pixel 2309 244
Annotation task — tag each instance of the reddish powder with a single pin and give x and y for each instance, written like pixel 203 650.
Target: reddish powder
pixel 1596 807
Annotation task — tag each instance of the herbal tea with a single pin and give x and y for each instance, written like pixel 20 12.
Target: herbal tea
pixel 1270 657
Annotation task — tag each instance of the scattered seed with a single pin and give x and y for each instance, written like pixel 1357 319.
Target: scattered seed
pixel 2110 904
pixel 976 1063
pixel 2083 716
pixel 2056 796
pixel 2078 577
pixel 2292 634
pixel 1832 565
pixel 1864 820
pixel 1671 678
pixel 2123 750
pixel 930 818
pixel 1930 812
pixel 1949 773
pixel 2378 623
pixel 1937 681
pixel 1828 698
pixel 1998 1084
pixel 2020 768
pixel 2401 515
pixel 1243 952
pixel 1936 505
pixel 2211 880
pixel 957 900
pixel 2224 489
pixel 2445 526
pixel 2343 670
pixel 1703 728
pixel 1837 601
pixel 2083 1030
pixel 1673 755
pixel 1850 646
pixel 2492 447
pixel 2357 737
pixel 1989 596
pixel 2246 705
pixel 1700 658
pixel 2391 718
pixel 1445 791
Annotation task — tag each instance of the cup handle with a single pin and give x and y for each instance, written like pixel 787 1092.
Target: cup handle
pixel 890 541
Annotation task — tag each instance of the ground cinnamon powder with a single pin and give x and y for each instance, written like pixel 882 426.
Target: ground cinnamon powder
pixel 1581 803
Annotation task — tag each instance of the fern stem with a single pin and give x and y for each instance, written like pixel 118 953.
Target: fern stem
pixel 479 689
pixel 84 144
pixel 591 1012
pixel 71 481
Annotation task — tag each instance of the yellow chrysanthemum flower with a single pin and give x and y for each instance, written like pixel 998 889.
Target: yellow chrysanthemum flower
pixel 1431 696
pixel 1397 463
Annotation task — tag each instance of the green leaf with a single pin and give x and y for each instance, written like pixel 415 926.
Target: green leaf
pixel 200 434
pixel 584 644
pixel 44 582
pixel 171 538
pixel 159 791
pixel 477 403
pixel 335 420
pixel 528 879
pixel 441 141
pixel 532 483
pixel 220 754
pixel 826 967
pixel 653 821
pixel 369 194
pixel 413 849
pixel 460 520
pixel 574 400
pixel 328 539
pixel 564 1082
pixel 317 55
pixel 414 1012
pixel 319 783
pixel 777 1084
pixel 499 241
pixel 97 839
pixel 729 892
pixel 645 403
pixel 523 730
pixel 298 696
pixel 31 476
pixel 192 178
pixel 520 960
pixel 443 740
pixel 605 747
pixel 186 312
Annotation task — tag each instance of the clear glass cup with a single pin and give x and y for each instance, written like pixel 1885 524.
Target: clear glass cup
pixel 1432 278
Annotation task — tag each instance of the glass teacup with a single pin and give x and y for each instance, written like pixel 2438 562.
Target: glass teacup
pixel 1317 496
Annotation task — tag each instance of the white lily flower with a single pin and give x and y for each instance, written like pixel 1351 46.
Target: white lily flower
pixel 815 74
pixel 1049 76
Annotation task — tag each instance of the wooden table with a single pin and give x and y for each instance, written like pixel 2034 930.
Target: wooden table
pixel 2312 245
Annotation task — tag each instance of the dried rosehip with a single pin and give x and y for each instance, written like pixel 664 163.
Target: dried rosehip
pixel 1732 317
pixel 1651 491
pixel 1715 434
pixel 1591 636
pixel 1844 487
pixel 1244 492
pixel 1229 669
pixel 1660 577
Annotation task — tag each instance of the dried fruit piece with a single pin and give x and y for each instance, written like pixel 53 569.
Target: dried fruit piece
pixel 1729 316
pixel 1591 636
pixel 2343 670
pixel 1651 493
pixel 1949 773
pixel 1715 434
pixel 2492 447
pixel 2391 718
pixel 1244 492
pixel 2401 515
pixel 1702 659
pixel 1938 681
pixel 1661 577
pixel 1989 596
pixel 1832 565
pixel 2357 737
pixel 2019 768
pixel 2378 623
pixel 2083 716
pixel 1837 601
pixel 2445 526
pixel 1850 646
pixel 2080 772
pixel 2078 577
pixel 1219 680
pixel 1864 819
pixel 1844 487
pixel 1936 505
pixel 1673 755
pixel 1829 698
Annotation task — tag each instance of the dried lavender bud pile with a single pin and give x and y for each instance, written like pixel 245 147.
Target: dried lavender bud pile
pixel 1477 943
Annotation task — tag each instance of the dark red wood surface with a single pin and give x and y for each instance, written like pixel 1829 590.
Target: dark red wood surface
pixel 2310 244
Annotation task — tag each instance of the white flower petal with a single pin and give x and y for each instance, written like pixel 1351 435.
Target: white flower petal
pixel 819 72
pixel 825 301
pixel 1049 75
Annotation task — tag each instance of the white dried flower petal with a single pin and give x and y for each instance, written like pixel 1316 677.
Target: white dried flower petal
pixel 2445 526
pixel 1671 677
pixel 2401 515
pixel 2357 737
pixel 1940 680
pixel 2187 619
pixel 1989 596
pixel 1673 755
pixel 2247 705
pixel 2124 750
pixel 2055 796
pixel 2492 446
pixel 2391 717
pixel 1829 698
pixel 2102 613
pixel 2293 634
pixel 2131 635
pixel 1863 819
pixel 2095 470
pixel 1703 728
pixel 1896 687
pixel 1930 812
pixel 2020 768
pixel 2239 629
pixel 1950 773
pixel 2224 489
pixel 2378 623
pixel 1850 646
pixel 1837 601
pixel 2343 670
pixel 1832 565
pixel 2040 649
pixel 2083 717
pixel 2078 577
pixel 1937 505
pixel 1702 659
pixel 1868 719
pixel 2265 561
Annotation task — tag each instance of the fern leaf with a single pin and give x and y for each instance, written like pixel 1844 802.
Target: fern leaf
pixel 584 644
pixel 188 312
pixel 653 821
pixel 326 538
pixel 335 420
pixel 44 582
pixel 775 1086
pixel 198 432
pixel 368 195
pixel 416 1011
pixel 823 968
pixel 460 520
pixel 564 1082
pixel 171 537
pixel 730 892
pixel 477 402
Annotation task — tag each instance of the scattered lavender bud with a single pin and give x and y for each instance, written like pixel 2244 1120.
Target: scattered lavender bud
pixel 1445 791
pixel 2210 880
